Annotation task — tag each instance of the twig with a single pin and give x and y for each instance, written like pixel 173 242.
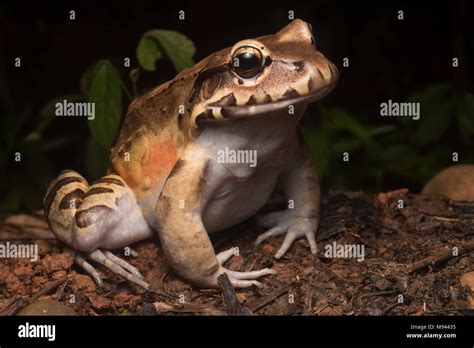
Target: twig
pixel 229 297
pixel 433 260
pixel 253 264
pixel 61 289
pixel 48 288
pixel 467 311
pixel 13 305
pixel 442 218
pixel 256 305
pixel 16 304
pixel 380 293
pixel 162 307
pixel 321 309
pixel 389 308
pixel 162 293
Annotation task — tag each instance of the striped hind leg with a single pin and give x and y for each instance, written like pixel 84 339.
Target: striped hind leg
pixel 95 218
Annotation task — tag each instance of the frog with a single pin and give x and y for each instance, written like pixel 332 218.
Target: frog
pixel 167 175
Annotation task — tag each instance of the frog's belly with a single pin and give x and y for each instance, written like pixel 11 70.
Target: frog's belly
pixel 237 201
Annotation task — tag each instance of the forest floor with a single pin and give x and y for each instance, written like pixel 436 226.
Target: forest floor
pixel 416 260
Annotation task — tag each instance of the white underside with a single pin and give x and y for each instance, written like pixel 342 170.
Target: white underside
pixel 236 191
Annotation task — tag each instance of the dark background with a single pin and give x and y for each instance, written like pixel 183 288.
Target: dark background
pixel 389 59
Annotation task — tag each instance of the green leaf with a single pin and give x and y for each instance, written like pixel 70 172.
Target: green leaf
pixel 48 112
pixel 86 79
pixel 106 93
pixel 148 53
pixel 96 159
pixel 465 114
pixel 434 123
pixel 338 119
pixel 10 202
pixel 318 142
pixel 134 75
pixel 35 146
pixel 12 122
pixel 177 47
pixel 437 109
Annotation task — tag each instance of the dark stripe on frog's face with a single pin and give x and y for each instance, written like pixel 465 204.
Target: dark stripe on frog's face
pixel 202 77
pixel 290 93
pixel 253 101
pixel 228 100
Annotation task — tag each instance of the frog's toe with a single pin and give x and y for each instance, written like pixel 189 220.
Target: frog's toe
pixel 124 264
pixel 114 264
pixel 296 233
pixel 81 261
pixel 290 237
pixel 275 231
pixel 247 279
pixel 251 274
pixel 226 254
pixel 245 283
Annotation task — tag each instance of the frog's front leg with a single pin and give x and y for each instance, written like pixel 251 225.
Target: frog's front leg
pixel 184 239
pixel 301 219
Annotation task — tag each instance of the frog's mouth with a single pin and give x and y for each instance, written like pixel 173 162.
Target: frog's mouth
pixel 219 112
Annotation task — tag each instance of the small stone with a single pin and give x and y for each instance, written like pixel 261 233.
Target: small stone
pixel 46 307
pixel 268 248
pixel 44 247
pixel 59 274
pixel 23 270
pixel 84 283
pixel 12 282
pixel 123 299
pixel 235 263
pixel 241 297
pixel 98 301
pixel 57 262
pixel 468 279
pixel 38 281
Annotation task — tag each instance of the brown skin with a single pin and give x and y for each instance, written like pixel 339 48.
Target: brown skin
pixel 456 183
pixel 166 174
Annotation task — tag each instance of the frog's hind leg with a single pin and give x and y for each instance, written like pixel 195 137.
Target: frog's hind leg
pixel 104 216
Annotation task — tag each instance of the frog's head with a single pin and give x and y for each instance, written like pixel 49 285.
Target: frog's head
pixel 262 75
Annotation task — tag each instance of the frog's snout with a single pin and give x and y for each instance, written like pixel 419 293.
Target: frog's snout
pixel 333 76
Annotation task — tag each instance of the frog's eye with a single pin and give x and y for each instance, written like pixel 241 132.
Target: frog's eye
pixel 247 61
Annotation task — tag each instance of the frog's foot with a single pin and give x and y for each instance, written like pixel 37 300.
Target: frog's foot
pixel 241 279
pixel 114 264
pixel 290 223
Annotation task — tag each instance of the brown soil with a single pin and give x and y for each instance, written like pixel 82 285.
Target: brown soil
pixel 409 268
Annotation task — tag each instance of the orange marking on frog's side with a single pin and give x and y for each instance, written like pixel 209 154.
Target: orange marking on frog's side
pixel 162 156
